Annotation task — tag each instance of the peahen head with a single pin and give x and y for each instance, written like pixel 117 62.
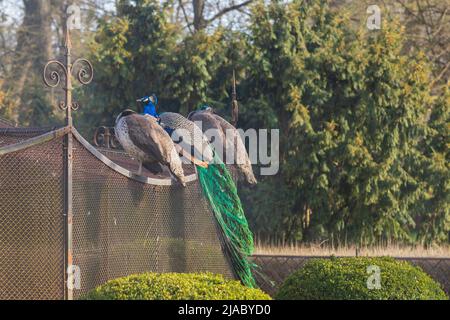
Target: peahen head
pixel 124 113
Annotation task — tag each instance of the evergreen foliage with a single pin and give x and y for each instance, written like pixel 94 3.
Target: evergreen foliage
pixel 364 138
pixel 349 279
pixel 175 286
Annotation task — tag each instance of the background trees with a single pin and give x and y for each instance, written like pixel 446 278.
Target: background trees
pixel 363 114
pixel 352 110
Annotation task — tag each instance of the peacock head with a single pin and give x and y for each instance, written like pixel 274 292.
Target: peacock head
pixel 206 107
pixel 149 99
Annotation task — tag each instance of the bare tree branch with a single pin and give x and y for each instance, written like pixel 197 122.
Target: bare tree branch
pixel 228 9
pixel 440 75
pixel 185 15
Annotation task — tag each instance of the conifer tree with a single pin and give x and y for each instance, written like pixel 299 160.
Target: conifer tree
pixel 352 110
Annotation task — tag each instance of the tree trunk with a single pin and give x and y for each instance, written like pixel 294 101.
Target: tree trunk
pixel 34 45
pixel 199 20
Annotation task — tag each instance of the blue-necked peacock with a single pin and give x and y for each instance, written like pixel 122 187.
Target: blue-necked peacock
pixel 219 189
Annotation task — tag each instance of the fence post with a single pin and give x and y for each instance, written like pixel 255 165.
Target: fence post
pixel 68 216
pixel 68 166
pixel 52 78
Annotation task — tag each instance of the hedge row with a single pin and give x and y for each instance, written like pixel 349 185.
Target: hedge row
pixel 319 279
pixel 175 286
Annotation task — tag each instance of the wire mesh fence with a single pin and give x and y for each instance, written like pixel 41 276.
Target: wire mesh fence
pixel 273 270
pixel 31 220
pixel 120 226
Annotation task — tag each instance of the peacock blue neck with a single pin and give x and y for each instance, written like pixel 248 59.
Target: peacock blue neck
pixel 169 130
pixel 150 109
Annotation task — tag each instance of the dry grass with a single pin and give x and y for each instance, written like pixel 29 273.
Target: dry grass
pixel 326 250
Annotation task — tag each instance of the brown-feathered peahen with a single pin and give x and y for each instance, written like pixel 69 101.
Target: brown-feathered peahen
pixel 220 191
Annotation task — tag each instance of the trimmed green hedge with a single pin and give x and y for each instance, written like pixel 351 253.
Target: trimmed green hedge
pixel 175 286
pixel 346 278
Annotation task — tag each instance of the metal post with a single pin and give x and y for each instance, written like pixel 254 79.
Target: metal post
pixel 234 103
pixel 68 164
pixel 52 78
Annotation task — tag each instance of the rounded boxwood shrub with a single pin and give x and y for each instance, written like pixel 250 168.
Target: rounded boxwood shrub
pixel 175 286
pixel 347 278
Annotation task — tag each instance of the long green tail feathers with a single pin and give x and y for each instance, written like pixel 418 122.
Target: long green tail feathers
pixel 221 192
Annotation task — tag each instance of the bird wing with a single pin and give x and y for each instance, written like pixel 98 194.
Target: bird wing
pixel 212 130
pixel 234 140
pixel 192 139
pixel 147 135
pixel 207 119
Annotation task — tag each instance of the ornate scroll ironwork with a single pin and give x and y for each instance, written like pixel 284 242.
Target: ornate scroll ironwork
pixel 56 71
pixel 105 137
pixel 85 70
pixel 52 79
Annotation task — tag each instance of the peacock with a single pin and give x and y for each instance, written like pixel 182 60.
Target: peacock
pixel 220 191
pixel 188 135
pixel 182 141
pixel 230 141
pixel 143 138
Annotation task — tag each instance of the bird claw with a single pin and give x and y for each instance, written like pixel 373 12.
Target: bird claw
pixel 202 164
pixel 195 161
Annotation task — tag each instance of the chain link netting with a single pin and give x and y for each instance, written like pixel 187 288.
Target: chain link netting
pixel 120 226
pixel 31 219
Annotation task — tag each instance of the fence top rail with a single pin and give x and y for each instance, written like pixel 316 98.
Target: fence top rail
pixel 349 256
pixel 27 130
pixel 129 174
pixel 57 133
pixel 28 143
